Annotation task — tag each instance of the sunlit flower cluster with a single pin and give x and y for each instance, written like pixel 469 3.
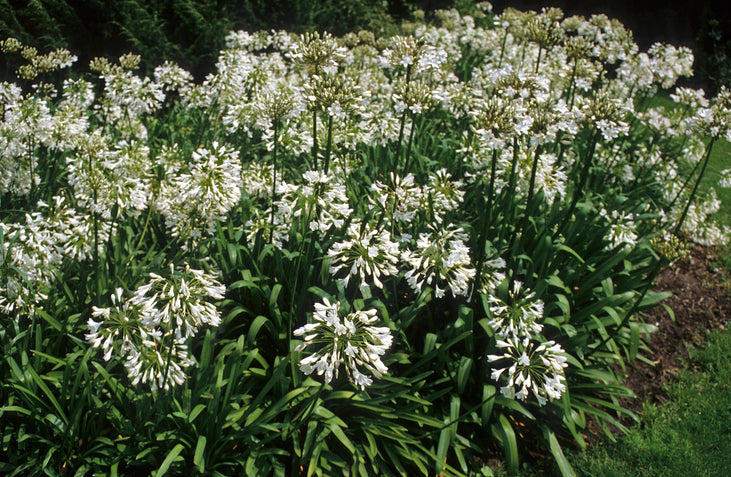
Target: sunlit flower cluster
pixel 351 340
pixel 519 315
pixel 150 329
pixel 367 253
pixel 530 368
pixel 441 259
pixel 529 363
pixel 202 193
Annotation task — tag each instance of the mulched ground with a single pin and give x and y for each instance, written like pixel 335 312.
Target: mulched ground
pixel 701 301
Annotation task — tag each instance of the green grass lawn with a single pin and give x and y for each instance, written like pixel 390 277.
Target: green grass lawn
pixel 690 435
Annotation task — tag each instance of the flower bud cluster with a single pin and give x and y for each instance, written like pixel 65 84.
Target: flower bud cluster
pixel 317 53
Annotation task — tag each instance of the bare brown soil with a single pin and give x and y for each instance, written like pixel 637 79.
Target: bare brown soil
pixel 700 302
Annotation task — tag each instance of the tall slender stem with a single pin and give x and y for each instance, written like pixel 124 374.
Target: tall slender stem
pixel 97 286
pixel 274 180
pixel 403 121
pixel 328 145
pixel 315 150
pixel 32 182
pixel 409 144
pixel 144 230
pixel 685 184
pixel 95 225
pixel 533 172
pixel 502 49
pixel 572 84
pixel 511 210
pixel 695 187
pixel 491 187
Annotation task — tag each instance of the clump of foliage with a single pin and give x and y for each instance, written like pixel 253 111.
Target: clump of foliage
pixel 366 254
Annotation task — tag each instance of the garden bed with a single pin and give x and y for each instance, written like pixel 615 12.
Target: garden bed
pixel 700 303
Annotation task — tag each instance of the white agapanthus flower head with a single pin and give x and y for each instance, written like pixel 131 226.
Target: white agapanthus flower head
pixel 368 253
pixel 399 199
pixel 526 367
pixel 202 195
pixel 351 340
pixel 321 199
pixel 180 301
pixel 519 315
pixel 30 253
pixel 440 259
pixel 150 329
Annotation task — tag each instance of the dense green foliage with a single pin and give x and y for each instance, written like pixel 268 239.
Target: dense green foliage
pixel 374 255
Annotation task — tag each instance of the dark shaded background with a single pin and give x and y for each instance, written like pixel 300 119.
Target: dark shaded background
pixel 191 32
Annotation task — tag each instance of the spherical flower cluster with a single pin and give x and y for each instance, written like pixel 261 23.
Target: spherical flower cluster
pixel 441 259
pixel 519 315
pixel 622 229
pixel 367 253
pixel 317 53
pixel 173 78
pixel 150 329
pixel 202 195
pixel 399 200
pixel 350 340
pixel 32 250
pixel 110 177
pixel 530 368
pixel 29 253
pixel 321 201
pixel 180 302
pixel 442 193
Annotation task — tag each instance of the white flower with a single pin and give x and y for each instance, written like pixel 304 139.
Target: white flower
pixel 350 340
pixel 531 369
pixel 179 302
pixel 367 253
pixel 440 257
pixel 517 316
pixel 150 330
pixel 202 195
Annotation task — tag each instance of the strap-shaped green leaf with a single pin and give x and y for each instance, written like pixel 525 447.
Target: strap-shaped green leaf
pixel 172 455
pixel 555 447
pixel 505 433
pixel 199 458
